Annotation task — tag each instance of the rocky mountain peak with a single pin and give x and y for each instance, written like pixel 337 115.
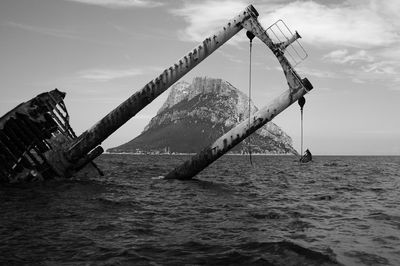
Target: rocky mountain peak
pixel 204 85
pixel 197 113
pixel 234 110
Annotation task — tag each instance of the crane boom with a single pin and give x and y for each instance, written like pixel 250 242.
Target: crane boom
pixel 49 147
pixel 120 115
pixel 297 88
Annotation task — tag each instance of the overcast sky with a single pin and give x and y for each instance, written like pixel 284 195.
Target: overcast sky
pixel 102 51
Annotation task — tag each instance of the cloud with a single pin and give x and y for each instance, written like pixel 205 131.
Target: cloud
pixel 383 67
pixel 392 53
pixel 383 72
pixel 316 72
pixel 108 74
pixel 366 66
pixel 354 23
pixel 120 3
pixel 343 56
pixel 205 17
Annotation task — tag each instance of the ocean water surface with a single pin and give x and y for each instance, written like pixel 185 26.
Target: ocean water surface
pixel 334 210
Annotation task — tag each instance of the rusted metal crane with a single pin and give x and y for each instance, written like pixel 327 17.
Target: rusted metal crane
pixel 37 142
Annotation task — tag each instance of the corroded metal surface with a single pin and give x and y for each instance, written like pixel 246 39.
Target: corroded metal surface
pixel 28 135
pixel 25 132
pixel 297 88
pixel 37 142
pixel 120 115
pixel 236 135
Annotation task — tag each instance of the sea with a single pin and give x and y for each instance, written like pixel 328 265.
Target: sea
pixel 335 210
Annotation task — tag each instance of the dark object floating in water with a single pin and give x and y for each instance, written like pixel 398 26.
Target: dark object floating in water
pixel 29 135
pixel 307 157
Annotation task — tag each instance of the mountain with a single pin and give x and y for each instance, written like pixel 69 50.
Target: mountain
pixel 196 114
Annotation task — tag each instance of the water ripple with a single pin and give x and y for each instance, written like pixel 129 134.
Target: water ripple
pixel 335 210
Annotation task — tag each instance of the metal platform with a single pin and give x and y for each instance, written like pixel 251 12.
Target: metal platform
pixel 279 32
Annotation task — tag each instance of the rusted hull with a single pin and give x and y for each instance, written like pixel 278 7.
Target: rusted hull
pixel 28 135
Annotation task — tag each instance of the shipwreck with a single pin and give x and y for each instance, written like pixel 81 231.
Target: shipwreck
pixel 38 143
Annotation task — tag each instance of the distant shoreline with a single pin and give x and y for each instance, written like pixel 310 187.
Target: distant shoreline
pixel 180 154
pixel 260 154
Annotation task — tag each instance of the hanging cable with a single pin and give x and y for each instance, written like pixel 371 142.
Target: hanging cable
pixel 251 36
pixel 301 102
pixel 301 111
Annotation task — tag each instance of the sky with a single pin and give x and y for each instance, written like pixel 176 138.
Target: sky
pixel 102 51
